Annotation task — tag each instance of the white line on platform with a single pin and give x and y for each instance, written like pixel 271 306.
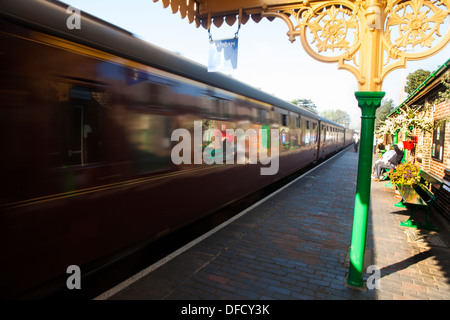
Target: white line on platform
pixel 186 247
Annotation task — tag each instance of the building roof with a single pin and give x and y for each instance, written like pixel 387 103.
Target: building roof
pixel 430 83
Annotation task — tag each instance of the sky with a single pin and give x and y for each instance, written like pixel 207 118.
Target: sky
pixel 267 60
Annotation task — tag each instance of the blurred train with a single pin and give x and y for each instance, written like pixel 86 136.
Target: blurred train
pixel 86 117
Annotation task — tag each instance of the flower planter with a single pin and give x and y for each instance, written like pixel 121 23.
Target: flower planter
pixel 408 145
pixel 397 194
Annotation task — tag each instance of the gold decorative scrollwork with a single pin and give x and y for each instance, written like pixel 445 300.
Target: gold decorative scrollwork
pixel 331 27
pixel 329 31
pixel 412 30
pixel 417 22
pixel 337 30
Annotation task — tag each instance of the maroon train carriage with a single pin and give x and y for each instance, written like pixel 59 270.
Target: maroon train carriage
pixel 86 119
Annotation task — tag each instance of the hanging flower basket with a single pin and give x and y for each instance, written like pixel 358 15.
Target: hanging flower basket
pixel 408 145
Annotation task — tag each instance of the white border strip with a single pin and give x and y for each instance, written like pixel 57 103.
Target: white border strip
pixel 186 247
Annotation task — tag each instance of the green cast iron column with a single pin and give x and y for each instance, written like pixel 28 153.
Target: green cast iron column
pixel 368 101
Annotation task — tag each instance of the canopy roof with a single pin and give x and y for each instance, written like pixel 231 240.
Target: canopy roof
pixel 368 38
pixel 221 11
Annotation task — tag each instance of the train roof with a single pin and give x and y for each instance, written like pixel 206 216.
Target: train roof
pixel 50 16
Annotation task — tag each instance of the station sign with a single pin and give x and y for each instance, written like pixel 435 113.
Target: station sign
pixel 222 55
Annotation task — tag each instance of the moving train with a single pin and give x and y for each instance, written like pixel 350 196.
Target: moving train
pixel 86 127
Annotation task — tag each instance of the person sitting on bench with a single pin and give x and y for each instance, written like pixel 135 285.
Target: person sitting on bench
pixel 390 152
pixel 390 162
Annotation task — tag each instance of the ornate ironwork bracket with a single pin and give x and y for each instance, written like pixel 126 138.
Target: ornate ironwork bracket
pixel 368 38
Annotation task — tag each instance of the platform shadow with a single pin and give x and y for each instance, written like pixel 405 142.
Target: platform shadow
pixel 401 265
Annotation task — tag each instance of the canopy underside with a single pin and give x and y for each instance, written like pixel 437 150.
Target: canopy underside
pixel 204 12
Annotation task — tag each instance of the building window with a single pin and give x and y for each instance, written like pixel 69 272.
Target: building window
pixel 437 149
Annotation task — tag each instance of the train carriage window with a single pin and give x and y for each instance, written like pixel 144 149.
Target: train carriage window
pixel 216 107
pixel 145 89
pixel 262 116
pixel 227 108
pixel 148 136
pixel 284 120
pixel 314 133
pixel 78 121
pixel 243 111
pixel 308 124
pixel 204 105
pixel 297 122
pixel 255 114
pixel 73 142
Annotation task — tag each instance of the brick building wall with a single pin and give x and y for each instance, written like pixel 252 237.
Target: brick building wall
pixel 436 167
pixel 422 156
pixel 422 153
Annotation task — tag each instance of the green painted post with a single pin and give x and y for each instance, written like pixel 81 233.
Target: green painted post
pixel 396 137
pixel 368 101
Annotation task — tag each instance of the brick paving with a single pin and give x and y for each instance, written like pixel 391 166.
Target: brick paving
pixel 295 246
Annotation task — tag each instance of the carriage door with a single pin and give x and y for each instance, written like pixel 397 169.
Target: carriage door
pixel 74 135
pixel 82 128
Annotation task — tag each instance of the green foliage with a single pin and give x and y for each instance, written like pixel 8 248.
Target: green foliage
pixel 412 117
pixel 405 174
pixel 415 79
pixel 337 116
pixel 408 119
pixel 444 96
pixel 305 103
pixel 387 106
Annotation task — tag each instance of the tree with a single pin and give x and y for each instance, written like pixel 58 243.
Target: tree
pixel 407 119
pixel 445 95
pixel 415 79
pixel 305 103
pixel 386 107
pixel 337 116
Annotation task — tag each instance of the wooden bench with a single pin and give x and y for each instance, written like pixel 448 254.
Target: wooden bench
pixel 420 196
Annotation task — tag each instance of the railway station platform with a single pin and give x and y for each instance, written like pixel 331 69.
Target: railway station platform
pixel 295 245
